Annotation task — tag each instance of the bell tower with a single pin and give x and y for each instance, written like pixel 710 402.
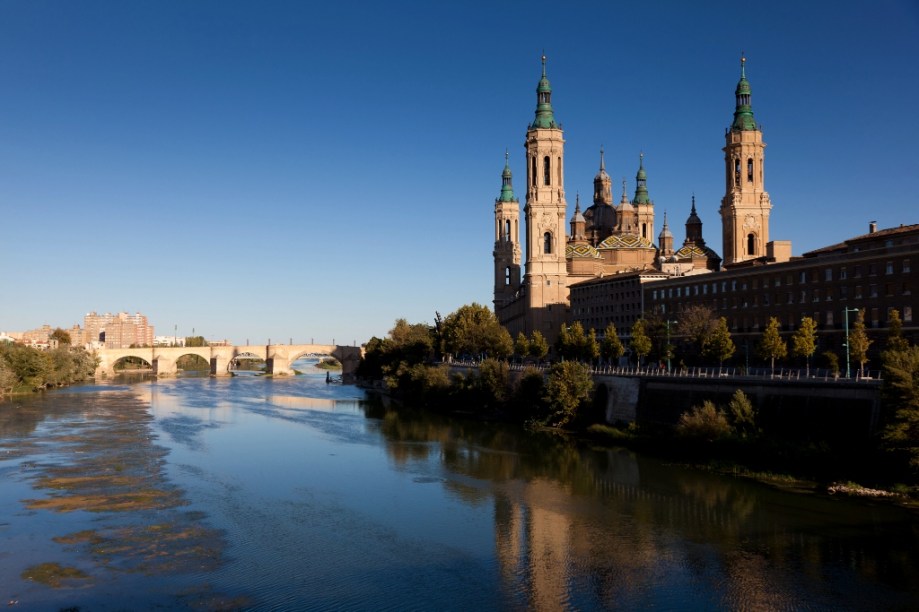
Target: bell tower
pixel 745 207
pixel 507 241
pixel 546 272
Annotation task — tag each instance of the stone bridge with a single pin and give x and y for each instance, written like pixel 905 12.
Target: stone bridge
pixel 278 357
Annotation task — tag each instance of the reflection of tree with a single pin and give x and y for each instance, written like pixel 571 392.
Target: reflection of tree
pixel 566 516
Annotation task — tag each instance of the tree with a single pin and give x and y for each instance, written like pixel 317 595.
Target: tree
pixel 591 348
pixel 611 348
pixel 771 345
pixel 569 387
pixel 474 330
pixel 572 341
pixel 195 341
pixel 804 342
pixel 539 347
pixel 742 414
pixel 705 422
pixel 521 345
pixel 8 379
pixel 901 392
pixel 832 362
pixel 696 324
pixel 719 345
pixel 895 339
pixel 494 380
pixel 859 342
pixel 61 335
pixel 640 342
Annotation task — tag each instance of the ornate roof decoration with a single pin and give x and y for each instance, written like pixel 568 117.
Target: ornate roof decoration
pixel 581 251
pixel 743 112
pixel 691 251
pixel 507 188
pixel 545 117
pixel 626 241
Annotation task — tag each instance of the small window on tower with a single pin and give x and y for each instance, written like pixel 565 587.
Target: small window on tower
pixel 751 244
pixel 547 243
pixel 507 231
pixel 533 173
pixel 750 170
pixel 507 276
pixel 737 172
pixel 545 170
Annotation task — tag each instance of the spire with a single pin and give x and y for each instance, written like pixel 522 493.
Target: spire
pixel 665 231
pixel 641 179
pixel 625 198
pixel 507 188
pixel 743 111
pixel 545 118
pixel 602 160
pixel 694 225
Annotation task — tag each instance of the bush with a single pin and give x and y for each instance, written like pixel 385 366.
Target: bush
pixel 568 388
pixel 743 416
pixel 705 422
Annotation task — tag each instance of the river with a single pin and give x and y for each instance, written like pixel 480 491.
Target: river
pixel 291 494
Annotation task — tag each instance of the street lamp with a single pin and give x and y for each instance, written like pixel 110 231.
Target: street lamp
pixel 669 350
pixel 847 311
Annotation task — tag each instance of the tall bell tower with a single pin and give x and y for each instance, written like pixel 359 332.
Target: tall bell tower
pixel 745 207
pixel 546 273
pixel 507 241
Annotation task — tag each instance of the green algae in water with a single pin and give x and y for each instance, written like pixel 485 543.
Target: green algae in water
pixel 53 574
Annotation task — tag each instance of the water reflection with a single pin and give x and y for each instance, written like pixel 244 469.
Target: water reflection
pixel 579 527
pixel 289 493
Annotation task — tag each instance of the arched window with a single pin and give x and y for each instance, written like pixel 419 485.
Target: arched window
pixel 507 231
pixel 545 171
pixel 507 276
pixel 533 173
pixel 547 243
pixel 737 172
pixel 558 170
pixel 644 230
pixel 750 170
pixel 751 244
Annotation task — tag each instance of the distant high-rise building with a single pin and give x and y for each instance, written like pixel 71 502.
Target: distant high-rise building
pixel 120 330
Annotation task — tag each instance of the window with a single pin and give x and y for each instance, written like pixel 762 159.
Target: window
pixel 546 170
pixel 733 285
pixel 843 292
pixel 874 317
pixel 842 273
pixel 858 292
pixel 507 276
pixel 906 289
pixel 872 269
pixel 829 295
pixel 905 266
pixel 828 274
pixel 816 295
pixel 547 243
pixel 858 271
pixel 829 317
pixel 873 291
pixel 737 172
pixel 507 231
pixel 533 173
pixel 803 296
pixel 750 170
pixel 751 244
pixel 907 314
pixel 802 278
pixel 789 298
pixel 888 289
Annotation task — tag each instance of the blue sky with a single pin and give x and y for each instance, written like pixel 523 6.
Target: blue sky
pixel 277 170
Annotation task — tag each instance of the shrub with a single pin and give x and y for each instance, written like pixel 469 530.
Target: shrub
pixel 704 422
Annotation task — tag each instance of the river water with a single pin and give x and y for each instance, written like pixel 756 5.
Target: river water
pixel 291 494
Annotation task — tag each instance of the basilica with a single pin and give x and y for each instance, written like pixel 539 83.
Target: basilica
pixel 616 240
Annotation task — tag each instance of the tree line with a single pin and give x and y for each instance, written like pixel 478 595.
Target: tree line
pixel 24 369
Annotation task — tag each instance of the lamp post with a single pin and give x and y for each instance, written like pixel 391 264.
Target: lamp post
pixel 669 350
pixel 847 311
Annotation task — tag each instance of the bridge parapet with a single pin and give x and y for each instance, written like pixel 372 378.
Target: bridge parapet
pixel 279 357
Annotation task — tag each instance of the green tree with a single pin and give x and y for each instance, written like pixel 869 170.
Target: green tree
pixel 719 344
pixel 521 345
pixel 29 366
pixel 901 392
pixel 771 345
pixel 539 347
pixel 494 380
pixel 640 342
pixel 859 343
pixel 61 335
pixel 573 342
pixel 611 348
pixel 591 348
pixel 705 422
pixel 474 330
pixel 895 339
pixel 194 341
pixel 804 342
pixel 8 379
pixel 568 388
pixel 742 414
